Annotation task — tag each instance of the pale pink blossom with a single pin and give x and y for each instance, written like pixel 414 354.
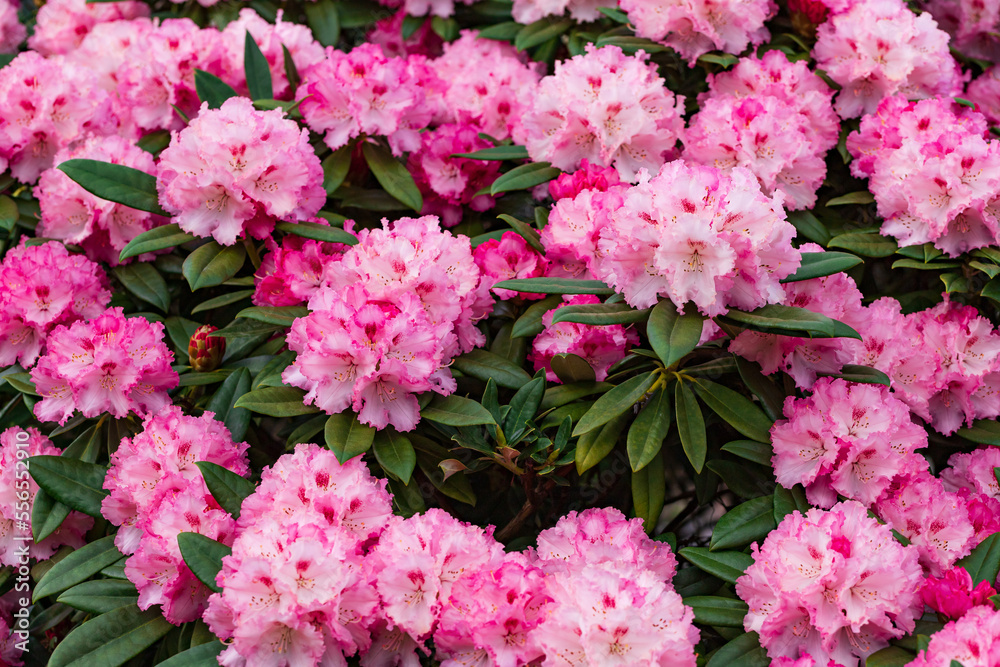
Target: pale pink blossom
pixel 62 24
pixel 506 258
pixel 971 641
pixel 12 31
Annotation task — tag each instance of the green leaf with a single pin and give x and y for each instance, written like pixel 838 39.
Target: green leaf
pixel 47 514
pixel 202 655
pixel 317 232
pixel 497 152
pixel 771 398
pixel 983 431
pixel 594 445
pixel 78 566
pixel 751 450
pixel 222 301
pixel 860 197
pixel 890 656
pixel 258 72
pixel 346 437
pixel 223 403
pixel 740 412
pixel 276 402
pixel 306 431
pixel 743 651
pixel 456 411
pixel 524 177
pixel 649 430
pixel 865 374
pixel 324 20
pixel 76 484
pixel 718 611
pixel 614 14
pixel 213 264
pixel 690 426
pixel 228 488
pixel 600 314
pixel 787 501
pixel 789 321
pixel 983 564
pixel 809 226
pixel 503 32
pixel 485 366
pixel 722 59
pixel 867 244
pixel 145 282
pixel 671 334
pixel 819 264
pixel 100 596
pixel 992 290
pixel 111 639
pixel 649 490
pixel 556 286
pixel 572 368
pixel 530 322
pixel 392 175
pixel 446 29
pixel 523 407
pixel 395 454
pixel 335 168
pixel 921 265
pixel 212 89
pixel 203 556
pixel 540 32
pixel 726 565
pixel 9 213
pixel 745 523
pixel 526 231
pixel 630 44
pixel 615 402
pixel 115 182
pixel 283 316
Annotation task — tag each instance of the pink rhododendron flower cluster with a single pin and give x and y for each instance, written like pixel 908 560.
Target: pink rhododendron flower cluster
pixel 157 491
pixel 505 258
pixel 607 107
pixel 529 11
pixel 296 587
pixel 12 31
pixel 771 116
pixel 442 8
pixel 845 439
pixel 41 287
pixel 71 214
pixel 62 24
pixel 103 51
pixel 108 364
pixel 694 27
pixel 952 595
pixel 45 105
pixel 971 641
pixel 694 233
pixel 236 169
pixel 973 471
pixel 364 92
pixel 447 183
pixel 304 50
pixel 291 273
pixel 831 584
pixel 17 492
pixel 934 175
pixel 485 83
pixel 878 48
pixel 984 92
pixel 598 345
pixel 972 24
pixel 388 33
pixel 942 526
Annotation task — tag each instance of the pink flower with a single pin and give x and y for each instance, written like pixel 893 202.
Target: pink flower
pixel 834 585
pixel 952 595
pixel 984 91
pixel 972 641
pixel 973 471
pixel 879 48
pixel 388 33
pixel 694 27
pixel 12 31
pixel 676 236
pixel 235 169
pixel 62 24
pixel 71 214
pixel 587 177
pixel 17 493
pixel 583 11
pixel 442 8
pixel 608 108
pixel 292 272
pixel 972 25
pixel 506 258
pixel 109 364
pixel 599 345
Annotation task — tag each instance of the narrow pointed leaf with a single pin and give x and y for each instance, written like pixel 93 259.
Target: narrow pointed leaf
pixel 111 639
pixel 203 556
pixel 819 264
pixel 649 489
pixel 258 72
pixel 456 411
pixel 223 403
pixel 276 402
pixel 690 426
pixel 556 286
pixel 726 565
pixel 648 431
pixel 115 182
pixel 485 365
pixel 524 177
pixel 741 413
pixel 615 403
pixel 228 488
pixel 212 89
pixel 346 437
pixel 745 523
pixel 392 175
pixel 497 152
pixel 600 314
pixel 213 264
pixel 78 566
pixel 76 484
pixel 157 238
pixel 671 334
pixel 318 232
pixel 145 282
pixel 100 596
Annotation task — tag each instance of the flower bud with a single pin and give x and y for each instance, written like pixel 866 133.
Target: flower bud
pixel 205 351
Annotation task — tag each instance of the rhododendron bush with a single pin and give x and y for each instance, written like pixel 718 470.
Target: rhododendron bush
pixel 544 333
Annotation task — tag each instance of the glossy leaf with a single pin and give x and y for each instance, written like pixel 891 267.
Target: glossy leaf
pixel 223 403
pixel 78 566
pixel 690 426
pixel 317 232
pixel 615 402
pixel 346 437
pixel 983 564
pixel 212 89
pixel 145 282
pixel 740 412
pixel 718 611
pixel 649 489
pixel 258 72
pixel 111 639
pixel 497 152
pixel 283 316
pixel 202 655
pixel 276 402
pixel 671 334
pixel 203 556
pixel 324 20
pixel 865 374
pixel 743 651
pixel 556 286
pixel 648 431
pixel 100 596
pixel 157 238
pixel 392 175
pixel 984 431
pixel 213 264
pixel 571 368
pixel 76 484
pixel 790 321
pixel 819 264
pixel 394 452
pixel 745 523
pixel 593 446
pixel 228 488
pixel 115 182
pixel 726 565
pixel 787 501
pixel 485 365
pixel 530 322
pixel 600 314
pixel 867 244
pixel 524 177
pixel 456 411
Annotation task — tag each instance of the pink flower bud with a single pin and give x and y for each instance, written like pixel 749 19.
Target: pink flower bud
pixel 204 351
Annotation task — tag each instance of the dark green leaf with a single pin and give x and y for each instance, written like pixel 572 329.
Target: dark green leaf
pixel 540 31
pixel 223 403
pixel 258 72
pixel 614 14
pixel 524 177
pixel 890 656
pixel 867 244
pixel 600 314
pixel 572 368
pixel 202 655
pixel 228 488
pixel 556 286
pixel 787 501
pixel 76 484
pixel 276 402
pixel 530 322
pixel 743 651
pixel 855 373
pixel 983 564
pixel 859 197
pixel 984 431
pixel 291 71
pixel 485 365
pixel 222 301
pixel 47 514
pixel 392 175
pixel 630 44
pixel 690 426
pixel 921 265
pixel 523 407
pixel 557 396
pixel 203 556
pixel 317 232
pixel 992 290
pixel 110 639
pixel 671 334
pixel 615 402
pixel 346 437
pixel 456 411
pixel 115 182
pixel 789 321
pixel 648 431
pixel 335 168
pixel 718 611
pixel 212 89
pixel 497 152
pixel 740 412
pixel 809 226
pixel 283 316
pixel 78 566
pixel 726 565
pixel 526 231
pixel 819 264
pixel 745 523
pixel 145 282
pixel 649 489
pixel 100 596
pixel 395 454
pixel 213 264
pixel 9 214
pixel 593 446
pixel 306 431
pixel 324 20
pixel 721 59
pixel 503 32
pixel 751 450
pixel 771 398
